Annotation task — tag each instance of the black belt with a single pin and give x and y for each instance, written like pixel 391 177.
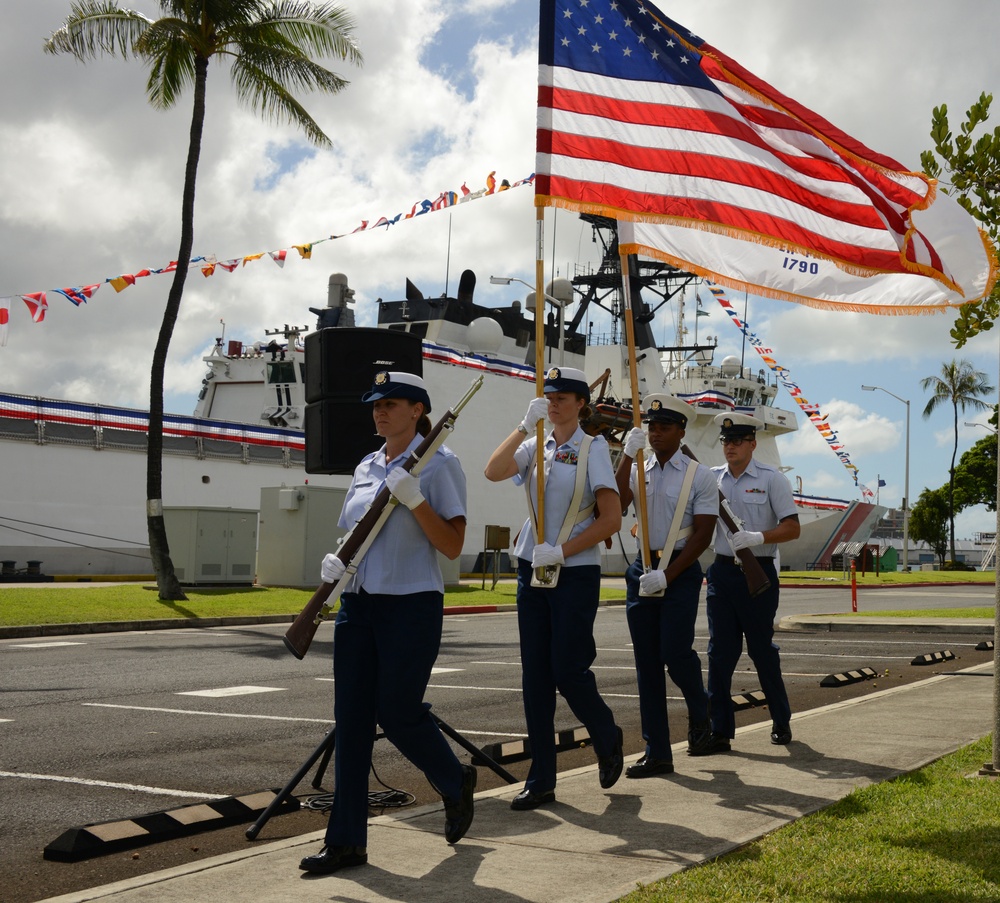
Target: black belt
pixel 730 559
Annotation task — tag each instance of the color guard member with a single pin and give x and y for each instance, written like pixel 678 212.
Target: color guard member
pixel 388 629
pixel 761 497
pixel 556 623
pixel 682 504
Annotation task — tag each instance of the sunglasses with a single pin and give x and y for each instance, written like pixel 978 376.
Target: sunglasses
pixel 733 440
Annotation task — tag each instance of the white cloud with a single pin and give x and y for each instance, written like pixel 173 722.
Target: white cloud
pixel 91 182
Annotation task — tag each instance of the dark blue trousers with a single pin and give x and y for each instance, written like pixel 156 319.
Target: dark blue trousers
pixel 383 650
pixel 662 629
pixel 556 627
pixel 733 615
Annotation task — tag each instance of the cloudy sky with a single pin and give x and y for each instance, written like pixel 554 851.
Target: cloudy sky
pixel 91 177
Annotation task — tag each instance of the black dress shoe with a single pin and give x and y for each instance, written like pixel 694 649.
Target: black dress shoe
pixel 781 734
pixel 699 733
pixel 716 743
pixel 529 799
pixel 647 766
pixel 609 768
pixel 332 859
pixel 458 813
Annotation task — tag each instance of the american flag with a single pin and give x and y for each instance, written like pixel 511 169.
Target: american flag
pixel 639 119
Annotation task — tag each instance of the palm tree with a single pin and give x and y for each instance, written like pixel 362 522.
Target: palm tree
pixel 963 386
pixel 268 45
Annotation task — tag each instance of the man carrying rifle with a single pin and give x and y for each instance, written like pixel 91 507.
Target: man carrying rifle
pixel 760 499
pixel 682 504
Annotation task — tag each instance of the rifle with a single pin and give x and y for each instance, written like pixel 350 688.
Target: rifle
pixel 757 580
pixel 353 547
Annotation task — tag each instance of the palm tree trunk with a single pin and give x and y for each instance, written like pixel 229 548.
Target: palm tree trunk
pixel 159 549
pixel 951 491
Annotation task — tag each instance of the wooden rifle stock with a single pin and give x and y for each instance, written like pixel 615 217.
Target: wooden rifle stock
pixel 757 580
pixel 356 543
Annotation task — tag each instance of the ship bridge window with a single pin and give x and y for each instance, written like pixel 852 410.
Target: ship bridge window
pixel 280 372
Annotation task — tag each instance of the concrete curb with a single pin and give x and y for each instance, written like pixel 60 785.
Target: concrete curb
pixel 837 623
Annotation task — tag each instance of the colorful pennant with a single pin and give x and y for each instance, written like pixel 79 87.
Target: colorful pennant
pixel 812 411
pixel 37 302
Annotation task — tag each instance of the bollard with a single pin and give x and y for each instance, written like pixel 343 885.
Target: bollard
pixel 854 586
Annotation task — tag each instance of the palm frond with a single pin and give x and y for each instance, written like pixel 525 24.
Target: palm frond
pixel 97 28
pixel 269 97
pixel 323 29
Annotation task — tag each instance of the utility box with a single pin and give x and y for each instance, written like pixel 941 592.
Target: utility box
pixel 212 545
pixel 298 527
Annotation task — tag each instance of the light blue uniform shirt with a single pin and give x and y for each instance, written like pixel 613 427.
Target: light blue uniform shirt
pixel 560 483
pixel 761 496
pixel 663 486
pixel 402 560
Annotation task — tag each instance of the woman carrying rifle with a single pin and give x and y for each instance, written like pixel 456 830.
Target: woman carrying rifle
pixel 556 622
pixel 388 630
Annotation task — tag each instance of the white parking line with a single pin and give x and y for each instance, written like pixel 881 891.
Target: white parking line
pixel 148 708
pixel 160 791
pixel 231 691
pixel 484 689
pixel 44 645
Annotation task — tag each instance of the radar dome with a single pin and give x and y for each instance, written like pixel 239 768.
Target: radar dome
pixel 485 335
pixel 731 365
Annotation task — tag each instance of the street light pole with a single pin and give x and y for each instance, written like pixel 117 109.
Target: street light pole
pixel 906 478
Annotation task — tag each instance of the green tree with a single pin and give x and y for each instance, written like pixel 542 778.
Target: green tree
pixel 269 45
pixel 929 521
pixel 976 476
pixel 962 386
pixel 968 169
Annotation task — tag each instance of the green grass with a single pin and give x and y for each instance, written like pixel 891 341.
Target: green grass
pixel 55 603
pixel 975 612
pixel 932 836
pixel 891 578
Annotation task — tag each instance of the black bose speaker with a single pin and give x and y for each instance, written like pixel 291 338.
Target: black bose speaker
pixel 338 435
pixel 341 363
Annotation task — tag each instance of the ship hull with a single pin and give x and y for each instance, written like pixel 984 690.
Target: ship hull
pixel 74 486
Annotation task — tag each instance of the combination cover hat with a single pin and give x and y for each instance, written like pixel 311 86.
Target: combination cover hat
pixel 663 408
pixel 738 426
pixel 393 384
pixel 567 379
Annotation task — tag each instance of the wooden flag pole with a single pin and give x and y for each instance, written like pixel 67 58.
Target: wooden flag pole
pixel 540 377
pixel 640 496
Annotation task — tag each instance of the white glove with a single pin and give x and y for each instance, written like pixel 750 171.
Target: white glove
pixel 635 441
pixel 333 569
pixel 538 409
pixel 405 487
pixel 544 555
pixel 653 583
pixel 746 540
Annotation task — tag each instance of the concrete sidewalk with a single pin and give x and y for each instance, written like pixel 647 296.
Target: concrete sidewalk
pixel 593 845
